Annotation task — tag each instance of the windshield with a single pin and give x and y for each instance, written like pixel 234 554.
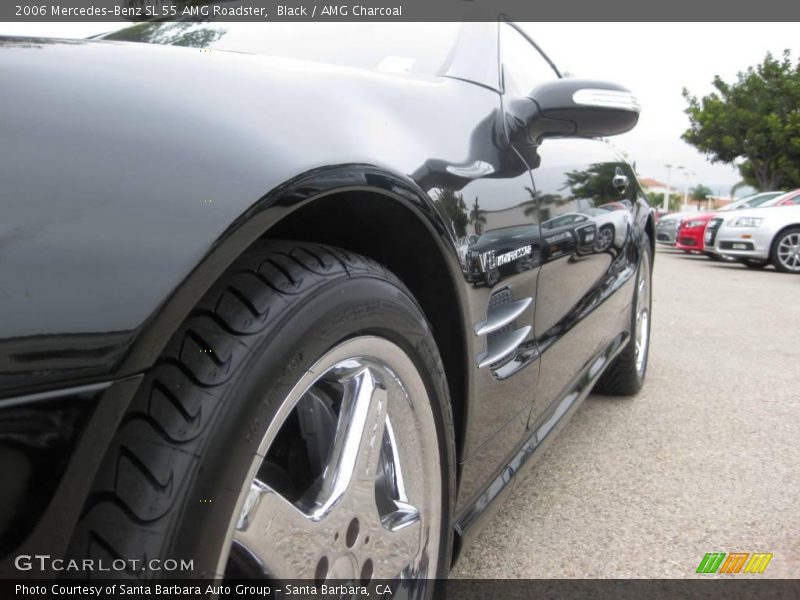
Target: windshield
pixel 752 201
pixel 761 199
pixel 596 212
pixel 782 198
pixel 412 48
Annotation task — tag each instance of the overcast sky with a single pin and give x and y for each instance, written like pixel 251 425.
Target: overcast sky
pixel 655 60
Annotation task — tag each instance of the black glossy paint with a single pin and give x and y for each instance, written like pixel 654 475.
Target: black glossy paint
pixel 132 176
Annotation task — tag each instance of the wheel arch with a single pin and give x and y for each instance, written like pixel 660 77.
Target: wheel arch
pixel 777 235
pixel 361 208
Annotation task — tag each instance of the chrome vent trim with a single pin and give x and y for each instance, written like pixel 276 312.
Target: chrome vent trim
pixel 498 317
pixel 502 346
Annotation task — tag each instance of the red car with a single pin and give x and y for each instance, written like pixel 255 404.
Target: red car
pixel 691 231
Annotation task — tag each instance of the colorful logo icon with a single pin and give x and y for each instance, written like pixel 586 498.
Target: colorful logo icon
pixel 736 562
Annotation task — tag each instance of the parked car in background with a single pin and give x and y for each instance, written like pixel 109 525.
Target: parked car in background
pixel 762 200
pixel 759 236
pixel 667 227
pixel 689 236
pixel 610 222
pixel 788 199
pixel 753 201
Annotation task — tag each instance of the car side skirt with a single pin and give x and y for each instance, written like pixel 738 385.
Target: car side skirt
pixel 471 520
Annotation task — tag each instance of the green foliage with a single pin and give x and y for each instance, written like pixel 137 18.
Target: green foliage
pixel 701 192
pixel 594 183
pixel 452 206
pixel 656 200
pixel 539 200
pixel 194 35
pixel 754 121
pixel 477 217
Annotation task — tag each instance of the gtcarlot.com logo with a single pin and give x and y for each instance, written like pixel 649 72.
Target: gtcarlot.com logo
pixel 45 563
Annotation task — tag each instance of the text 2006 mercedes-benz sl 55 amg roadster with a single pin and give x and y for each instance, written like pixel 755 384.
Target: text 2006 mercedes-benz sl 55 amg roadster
pixel 300 301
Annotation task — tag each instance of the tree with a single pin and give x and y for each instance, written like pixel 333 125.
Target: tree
pixel 701 192
pixel 477 217
pixel 452 205
pixel 189 33
pixel 753 122
pixel 539 204
pixel 737 186
pixel 595 183
pixel 656 200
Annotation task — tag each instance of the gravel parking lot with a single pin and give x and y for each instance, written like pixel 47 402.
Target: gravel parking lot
pixel 705 459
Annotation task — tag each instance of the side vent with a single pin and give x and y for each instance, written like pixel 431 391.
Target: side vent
pixel 502 335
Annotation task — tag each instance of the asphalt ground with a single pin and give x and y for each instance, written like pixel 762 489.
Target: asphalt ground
pixel 706 458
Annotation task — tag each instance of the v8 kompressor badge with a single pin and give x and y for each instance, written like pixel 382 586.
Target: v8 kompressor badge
pixel 491 261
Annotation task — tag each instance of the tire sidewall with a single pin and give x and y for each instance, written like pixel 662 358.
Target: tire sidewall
pixel 645 258
pixel 774 251
pixel 343 309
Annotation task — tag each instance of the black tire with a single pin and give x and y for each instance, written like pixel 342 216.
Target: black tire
pixel 791 266
pixel 622 377
pixel 752 263
pixel 194 426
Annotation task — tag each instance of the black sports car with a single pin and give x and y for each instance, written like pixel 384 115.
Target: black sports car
pixel 238 332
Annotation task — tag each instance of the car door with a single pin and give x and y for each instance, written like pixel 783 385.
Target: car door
pixel 585 194
pixel 483 190
pixel 579 312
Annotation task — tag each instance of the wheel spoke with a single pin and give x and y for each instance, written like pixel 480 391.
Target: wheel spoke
pixel 368 505
pixel 359 434
pixel 285 540
pixel 642 317
pixel 396 542
pixel 788 252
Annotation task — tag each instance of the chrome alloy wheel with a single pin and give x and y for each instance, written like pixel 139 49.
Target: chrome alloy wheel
pixel 605 237
pixel 369 505
pixel 788 252
pixel 642 315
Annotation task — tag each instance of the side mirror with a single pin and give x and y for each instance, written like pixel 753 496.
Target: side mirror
pixel 577 107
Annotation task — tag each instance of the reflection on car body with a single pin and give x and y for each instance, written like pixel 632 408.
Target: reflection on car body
pixel 503 252
pixel 567 234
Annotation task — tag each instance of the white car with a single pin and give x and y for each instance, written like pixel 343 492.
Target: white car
pixel 759 236
pixel 612 225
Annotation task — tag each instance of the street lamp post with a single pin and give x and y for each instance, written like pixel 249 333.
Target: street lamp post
pixel 669 177
pixel 686 189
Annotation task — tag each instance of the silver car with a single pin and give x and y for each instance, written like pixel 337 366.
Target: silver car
pixel 667 227
pixel 762 199
pixel 759 236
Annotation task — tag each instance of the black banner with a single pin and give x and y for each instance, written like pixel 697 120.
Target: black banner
pixel 398 10
pixel 732 588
